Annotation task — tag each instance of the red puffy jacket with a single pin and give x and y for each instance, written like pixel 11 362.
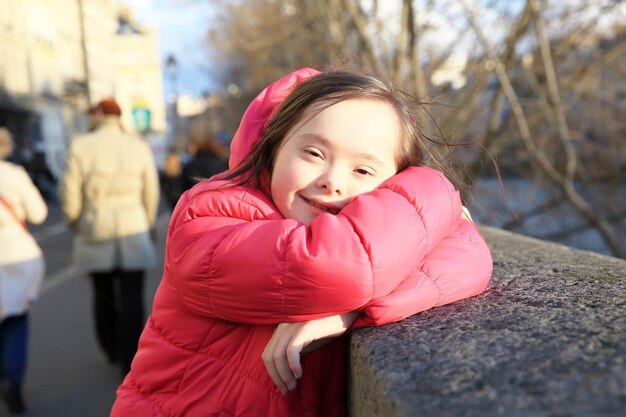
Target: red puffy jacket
pixel 235 268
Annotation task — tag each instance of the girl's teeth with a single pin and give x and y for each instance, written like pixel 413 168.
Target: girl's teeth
pixel 330 210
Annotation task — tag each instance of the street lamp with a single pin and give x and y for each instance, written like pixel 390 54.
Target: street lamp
pixel 172 69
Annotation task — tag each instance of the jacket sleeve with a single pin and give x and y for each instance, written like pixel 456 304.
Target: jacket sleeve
pixel 70 188
pixel 271 271
pixel 150 193
pixel 459 267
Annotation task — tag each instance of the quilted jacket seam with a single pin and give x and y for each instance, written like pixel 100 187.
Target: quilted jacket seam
pixel 369 255
pixel 210 265
pixel 225 192
pixel 147 397
pixel 169 341
pixel 152 324
pixel 208 271
pixel 434 282
pixel 400 191
pixel 219 358
pixel 284 272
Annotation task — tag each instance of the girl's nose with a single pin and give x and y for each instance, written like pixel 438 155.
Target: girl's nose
pixel 332 182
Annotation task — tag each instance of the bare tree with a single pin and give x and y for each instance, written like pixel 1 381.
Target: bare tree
pixel 562 176
pixel 543 94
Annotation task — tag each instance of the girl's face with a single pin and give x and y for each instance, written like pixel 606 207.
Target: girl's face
pixel 331 157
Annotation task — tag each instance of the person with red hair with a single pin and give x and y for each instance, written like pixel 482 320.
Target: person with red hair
pixel 109 196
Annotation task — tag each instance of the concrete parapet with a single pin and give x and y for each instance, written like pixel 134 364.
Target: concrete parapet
pixel 547 338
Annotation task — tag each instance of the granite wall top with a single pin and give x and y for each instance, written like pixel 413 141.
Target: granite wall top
pixel 547 338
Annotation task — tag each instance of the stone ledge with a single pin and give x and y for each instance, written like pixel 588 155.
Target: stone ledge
pixel 547 338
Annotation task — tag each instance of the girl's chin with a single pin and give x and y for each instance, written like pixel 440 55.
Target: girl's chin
pixel 305 220
pixel 303 212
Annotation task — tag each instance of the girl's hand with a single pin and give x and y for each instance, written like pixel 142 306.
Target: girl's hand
pixel 282 354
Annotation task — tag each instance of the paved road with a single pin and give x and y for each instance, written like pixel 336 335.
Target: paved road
pixel 67 375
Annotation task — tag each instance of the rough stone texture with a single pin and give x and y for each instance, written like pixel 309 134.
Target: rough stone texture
pixel 547 338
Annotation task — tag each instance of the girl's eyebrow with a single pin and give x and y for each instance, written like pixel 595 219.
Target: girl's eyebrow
pixel 327 143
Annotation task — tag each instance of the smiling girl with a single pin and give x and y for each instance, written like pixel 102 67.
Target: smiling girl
pixel 327 220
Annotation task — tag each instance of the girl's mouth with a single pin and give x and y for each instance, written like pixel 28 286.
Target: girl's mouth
pixel 331 210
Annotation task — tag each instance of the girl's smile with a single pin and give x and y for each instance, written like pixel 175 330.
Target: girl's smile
pixel 326 208
pixel 334 154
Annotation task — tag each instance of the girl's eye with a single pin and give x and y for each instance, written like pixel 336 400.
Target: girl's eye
pixel 314 152
pixel 363 171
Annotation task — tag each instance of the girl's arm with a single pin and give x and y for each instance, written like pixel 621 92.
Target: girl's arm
pixel 274 271
pixel 459 267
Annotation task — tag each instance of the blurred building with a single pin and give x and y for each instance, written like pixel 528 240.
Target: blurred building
pixel 59 56
pixel 206 118
pixel 138 74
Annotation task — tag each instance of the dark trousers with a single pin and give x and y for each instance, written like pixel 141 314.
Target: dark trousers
pixel 119 313
pixel 13 348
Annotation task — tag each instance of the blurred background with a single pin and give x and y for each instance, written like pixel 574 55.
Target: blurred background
pixel 535 89
pixel 530 93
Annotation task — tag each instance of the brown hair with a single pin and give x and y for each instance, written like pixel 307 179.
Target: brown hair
pixel 108 107
pixel 327 89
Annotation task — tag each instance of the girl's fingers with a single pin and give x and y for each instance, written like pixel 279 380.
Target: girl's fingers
pixel 270 365
pixel 281 363
pixel 293 356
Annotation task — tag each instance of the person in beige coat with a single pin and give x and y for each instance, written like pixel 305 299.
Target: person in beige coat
pixel 109 196
pixel 22 269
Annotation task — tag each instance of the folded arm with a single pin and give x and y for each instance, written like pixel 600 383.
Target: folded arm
pixel 259 271
pixel 459 267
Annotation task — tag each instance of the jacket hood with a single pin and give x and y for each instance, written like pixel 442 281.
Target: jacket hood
pixel 259 113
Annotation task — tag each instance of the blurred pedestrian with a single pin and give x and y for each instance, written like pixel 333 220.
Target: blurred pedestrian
pixel 171 177
pixel 22 269
pixel 109 197
pixel 207 159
